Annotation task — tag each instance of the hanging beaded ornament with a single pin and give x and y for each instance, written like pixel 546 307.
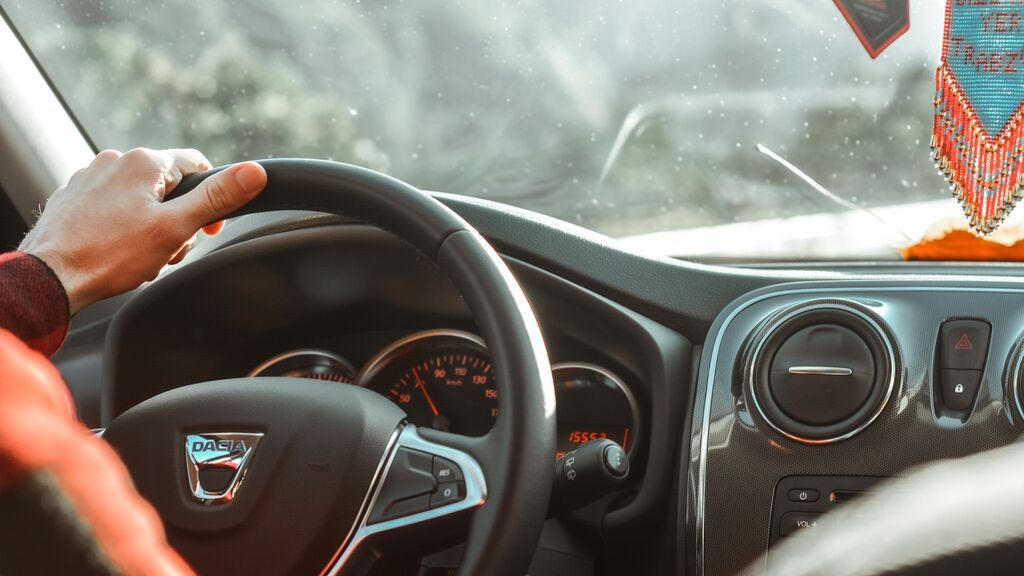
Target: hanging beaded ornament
pixel 978 134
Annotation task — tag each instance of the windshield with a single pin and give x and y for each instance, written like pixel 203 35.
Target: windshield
pixel 641 120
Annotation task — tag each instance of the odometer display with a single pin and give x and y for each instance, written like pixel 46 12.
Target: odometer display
pixel 443 379
pixel 592 404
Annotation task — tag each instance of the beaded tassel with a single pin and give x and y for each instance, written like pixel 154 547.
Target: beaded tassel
pixel 985 54
pixel 984 173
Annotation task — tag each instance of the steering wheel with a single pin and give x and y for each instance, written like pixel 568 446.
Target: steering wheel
pixel 284 475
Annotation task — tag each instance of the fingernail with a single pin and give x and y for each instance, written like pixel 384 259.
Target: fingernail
pixel 251 177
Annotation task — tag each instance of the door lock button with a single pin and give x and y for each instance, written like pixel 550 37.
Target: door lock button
pixel 959 387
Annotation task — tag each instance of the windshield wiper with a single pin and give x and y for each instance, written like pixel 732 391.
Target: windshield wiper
pixel 826 192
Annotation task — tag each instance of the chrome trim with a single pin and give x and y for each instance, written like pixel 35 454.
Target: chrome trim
pixel 343 551
pixel 374 365
pixel 230 459
pixel 266 364
pixel 797 310
pixel 476 494
pixel 633 406
pixel 1016 356
pixel 820 370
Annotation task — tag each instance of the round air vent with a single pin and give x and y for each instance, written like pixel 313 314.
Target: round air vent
pixel 821 372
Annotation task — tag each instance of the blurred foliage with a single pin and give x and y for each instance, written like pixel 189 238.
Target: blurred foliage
pixel 521 102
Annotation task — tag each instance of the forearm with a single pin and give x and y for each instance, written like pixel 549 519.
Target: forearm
pixel 67 504
pixel 33 303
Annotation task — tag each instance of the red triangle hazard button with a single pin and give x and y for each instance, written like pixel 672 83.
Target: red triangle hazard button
pixel 964 343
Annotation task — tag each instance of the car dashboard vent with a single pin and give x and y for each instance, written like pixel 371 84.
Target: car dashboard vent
pixel 821 371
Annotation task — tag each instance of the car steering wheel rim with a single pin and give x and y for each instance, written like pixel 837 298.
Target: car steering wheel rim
pixel 513 458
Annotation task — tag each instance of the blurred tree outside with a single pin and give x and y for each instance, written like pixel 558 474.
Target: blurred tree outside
pixel 517 102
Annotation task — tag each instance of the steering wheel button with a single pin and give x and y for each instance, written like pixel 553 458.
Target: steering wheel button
pixel 447 493
pixel 401 508
pixel 410 475
pixel 446 470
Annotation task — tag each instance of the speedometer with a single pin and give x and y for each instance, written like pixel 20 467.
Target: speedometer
pixel 443 379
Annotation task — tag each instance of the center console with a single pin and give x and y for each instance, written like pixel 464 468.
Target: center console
pixel 810 394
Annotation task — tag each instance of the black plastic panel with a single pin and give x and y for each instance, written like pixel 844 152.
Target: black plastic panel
pixel 799 497
pixel 737 460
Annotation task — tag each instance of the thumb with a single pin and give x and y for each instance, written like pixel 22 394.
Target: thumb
pixel 221 194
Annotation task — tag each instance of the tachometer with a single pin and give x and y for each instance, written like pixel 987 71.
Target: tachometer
pixel 314 364
pixel 443 379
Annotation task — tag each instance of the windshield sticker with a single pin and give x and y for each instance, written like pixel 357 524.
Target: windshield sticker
pixel 978 134
pixel 877 23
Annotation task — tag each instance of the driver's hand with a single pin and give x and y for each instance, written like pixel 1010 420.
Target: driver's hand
pixel 108 230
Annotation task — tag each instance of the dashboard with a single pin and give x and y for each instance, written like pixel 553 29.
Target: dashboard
pixel 353 305
pixel 443 379
pixel 750 400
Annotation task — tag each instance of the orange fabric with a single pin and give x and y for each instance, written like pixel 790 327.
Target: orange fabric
pixel 964 246
pixel 38 430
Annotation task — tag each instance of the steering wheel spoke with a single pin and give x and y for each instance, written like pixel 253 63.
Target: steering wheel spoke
pixel 423 501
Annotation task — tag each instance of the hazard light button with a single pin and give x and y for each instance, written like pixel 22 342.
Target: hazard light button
pixel 963 344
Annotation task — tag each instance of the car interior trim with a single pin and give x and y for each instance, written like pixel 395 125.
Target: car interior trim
pixel 476 493
pixel 295 353
pixel 706 381
pixel 349 543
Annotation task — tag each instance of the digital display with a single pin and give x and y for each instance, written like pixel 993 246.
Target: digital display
pixel 593 404
pixel 571 435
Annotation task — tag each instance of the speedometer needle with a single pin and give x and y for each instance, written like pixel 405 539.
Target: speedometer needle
pixel 419 382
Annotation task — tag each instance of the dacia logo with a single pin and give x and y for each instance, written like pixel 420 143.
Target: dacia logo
pixel 218 445
pixel 209 456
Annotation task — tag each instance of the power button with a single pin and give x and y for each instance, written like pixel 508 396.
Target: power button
pixel 803 495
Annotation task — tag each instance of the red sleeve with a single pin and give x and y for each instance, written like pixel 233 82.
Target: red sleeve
pixel 67 505
pixel 33 304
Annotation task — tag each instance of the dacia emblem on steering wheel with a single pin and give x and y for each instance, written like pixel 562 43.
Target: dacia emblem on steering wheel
pixel 216 463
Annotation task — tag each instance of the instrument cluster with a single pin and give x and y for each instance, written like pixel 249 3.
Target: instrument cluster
pixel 444 379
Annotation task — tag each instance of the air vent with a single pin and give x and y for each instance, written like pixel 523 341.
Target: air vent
pixel 820 372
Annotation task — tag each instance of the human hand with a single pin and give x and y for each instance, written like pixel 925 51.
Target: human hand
pixel 108 229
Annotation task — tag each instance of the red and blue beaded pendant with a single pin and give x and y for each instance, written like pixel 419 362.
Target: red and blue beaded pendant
pixel 978 134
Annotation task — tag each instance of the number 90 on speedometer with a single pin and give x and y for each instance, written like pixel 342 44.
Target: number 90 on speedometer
pixel 442 379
